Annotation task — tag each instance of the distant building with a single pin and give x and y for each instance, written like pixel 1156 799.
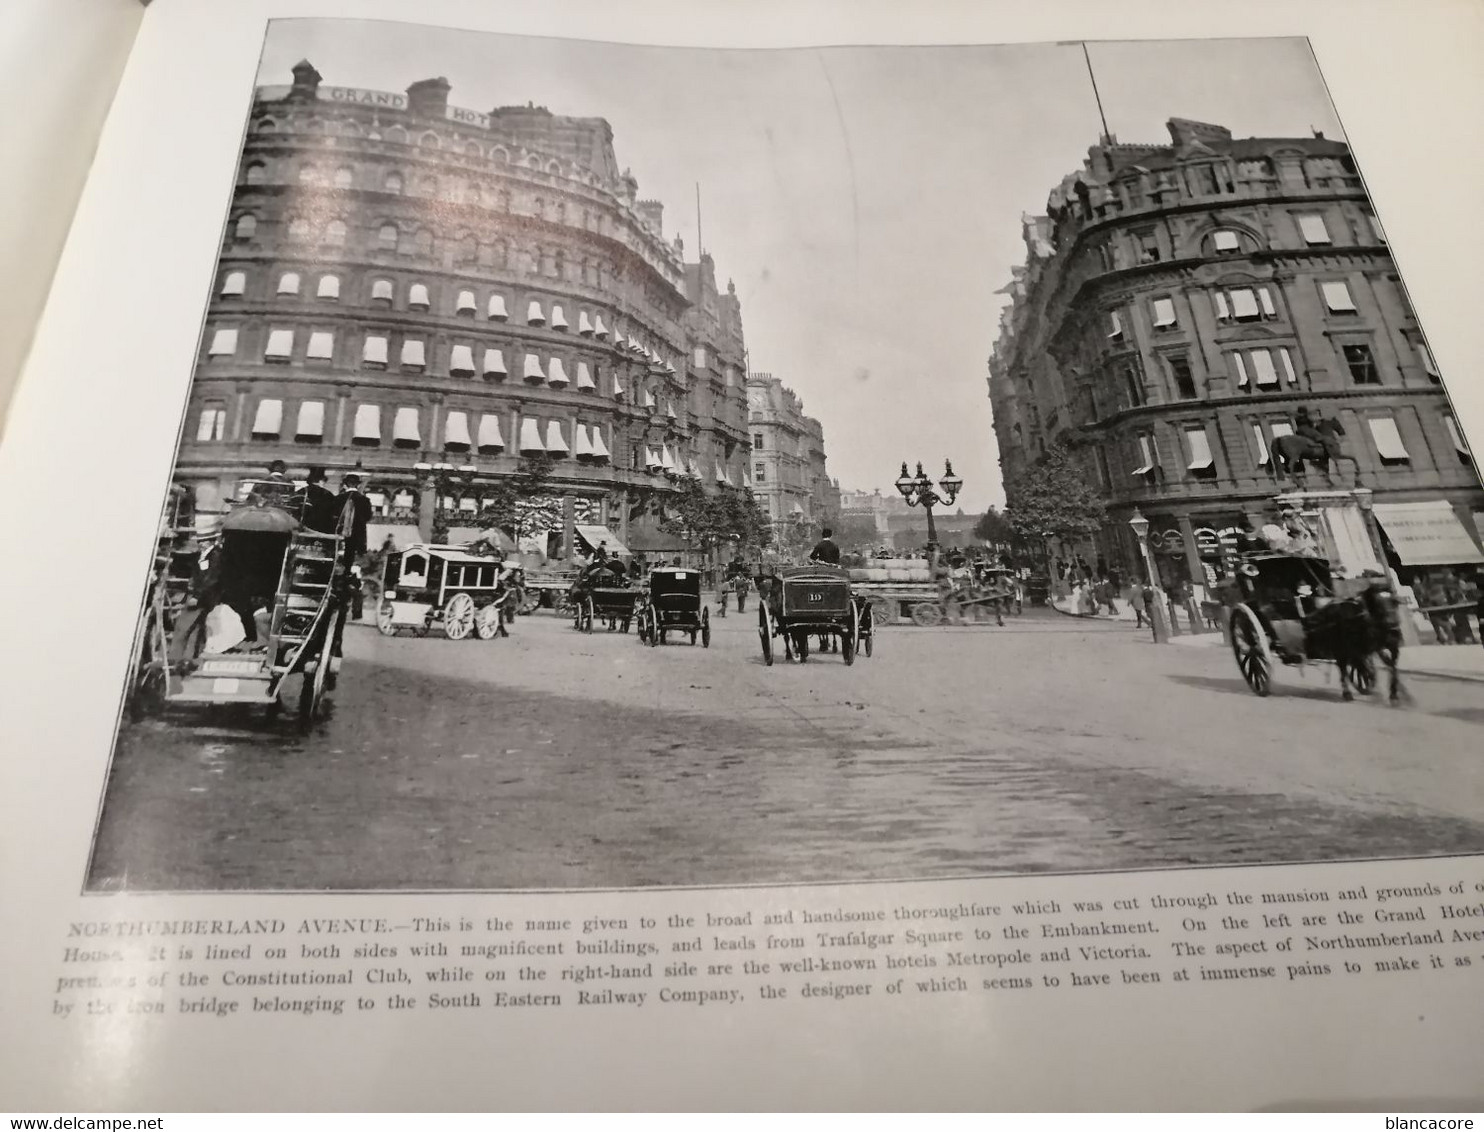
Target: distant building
pixel 1179 303
pixel 788 471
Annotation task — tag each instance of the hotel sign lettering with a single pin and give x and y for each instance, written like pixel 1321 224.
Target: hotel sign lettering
pixel 364 97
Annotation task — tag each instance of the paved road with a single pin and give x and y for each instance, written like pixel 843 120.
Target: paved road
pixel 555 760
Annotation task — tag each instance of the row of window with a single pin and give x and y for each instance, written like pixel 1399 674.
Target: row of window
pixel 1150 245
pixel 464 304
pixel 1199 461
pixel 1236 304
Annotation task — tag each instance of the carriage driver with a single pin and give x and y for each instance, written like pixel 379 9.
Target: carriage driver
pixel 825 550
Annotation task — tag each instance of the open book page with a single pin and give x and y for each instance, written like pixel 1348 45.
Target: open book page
pixel 596 558
pixel 62 59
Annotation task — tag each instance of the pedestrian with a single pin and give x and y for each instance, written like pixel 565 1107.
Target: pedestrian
pixel 352 496
pixel 1136 600
pixel 318 510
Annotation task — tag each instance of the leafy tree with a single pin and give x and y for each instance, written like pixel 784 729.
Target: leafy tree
pixel 856 533
pixel 706 520
pixel 517 504
pixel 993 527
pixel 1053 497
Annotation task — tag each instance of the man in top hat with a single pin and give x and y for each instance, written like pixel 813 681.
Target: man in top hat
pixel 353 497
pixel 319 507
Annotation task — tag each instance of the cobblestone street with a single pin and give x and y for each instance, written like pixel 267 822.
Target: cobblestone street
pixel 555 760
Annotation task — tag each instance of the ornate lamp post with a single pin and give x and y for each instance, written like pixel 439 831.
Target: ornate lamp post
pixel 918 491
pixel 1161 628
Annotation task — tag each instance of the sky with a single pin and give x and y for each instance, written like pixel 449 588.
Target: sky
pixel 866 201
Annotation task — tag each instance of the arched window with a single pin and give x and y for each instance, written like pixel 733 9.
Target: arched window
pixel 555 168
pixel 299 229
pixel 343 178
pixel 256 173
pixel 267 126
pixel 429 140
pixel 473 150
pixel 394 182
pixel 335 232
pixel 247 227
pixel 387 237
pixel 235 283
pixel 534 162
pixel 288 283
pixel 397 134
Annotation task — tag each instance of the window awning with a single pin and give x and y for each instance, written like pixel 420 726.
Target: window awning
pixel 1337 296
pixel 1244 303
pixel 721 474
pixel 1226 240
pixel 600 447
pixel 1427 534
pixel 329 287
pixel 1388 439
pixel 1262 361
pixel 404 428
pixel 556 374
pixel 374 350
pixel 558 319
pixel 223 342
pixel 497 308
pixel 288 283
pixel 417 295
pixel 412 352
pixel 280 344
pixel 670 409
pixel 1282 428
pixel 1241 368
pixel 1456 434
pixel 648 399
pixel 533 370
pixel 667 461
pixel 584 324
pixel 321 344
pixel 382 289
pixel 269 417
pixel 468 504
pixel 595 535
pixel 465 303
pixel 1147 452
pixel 534 314
pixel 652 460
pixel 555 443
pixel 235 283
pixel 599 330
pixel 582 446
pixel 368 422
pixel 1261 446
pixel 311 419
pixel 461 361
pixel 584 377
pixel 1200 450
pixel 489 432
pixel 494 362
pixel 530 435
pixel 617 385
pixel 1287 359
pixel 456 428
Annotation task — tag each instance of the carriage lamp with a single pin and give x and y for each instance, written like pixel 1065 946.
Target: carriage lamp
pixel 918 491
pixel 1140 526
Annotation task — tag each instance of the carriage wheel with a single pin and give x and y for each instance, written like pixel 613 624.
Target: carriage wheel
pixel 705 629
pixel 1251 656
pixel 850 636
pixel 883 612
pixel 312 692
pixel 868 629
pixel 652 619
pixel 765 633
pixel 384 624
pixel 487 621
pixel 458 617
pixel 927 614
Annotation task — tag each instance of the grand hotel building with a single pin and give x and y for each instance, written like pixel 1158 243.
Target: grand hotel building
pixel 428 294
pixel 1180 302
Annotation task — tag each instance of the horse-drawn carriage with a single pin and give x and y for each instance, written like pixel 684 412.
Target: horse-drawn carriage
pixel 604 593
pixel 263 557
pixel 671 603
pixel 1287 611
pixel 427 585
pixel 799 602
pixel 991 592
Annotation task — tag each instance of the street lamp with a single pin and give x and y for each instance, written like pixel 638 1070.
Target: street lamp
pixel 918 491
pixel 1140 526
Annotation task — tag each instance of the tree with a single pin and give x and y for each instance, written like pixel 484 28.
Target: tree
pixel 856 533
pixel 706 520
pixel 1053 498
pixel 993 527
pixel 516 504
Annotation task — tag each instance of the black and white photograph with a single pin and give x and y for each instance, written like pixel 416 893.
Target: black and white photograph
pixel 609 466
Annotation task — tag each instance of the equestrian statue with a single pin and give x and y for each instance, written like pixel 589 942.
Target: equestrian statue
pixel 1312 441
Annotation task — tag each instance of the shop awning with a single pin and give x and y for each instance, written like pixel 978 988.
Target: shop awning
pixel 595 535
pixel 1427 534
pixel 489 432
pixel 584 377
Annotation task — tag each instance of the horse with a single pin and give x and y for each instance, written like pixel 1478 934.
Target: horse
pixel 1291 451
pixel 1351 630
